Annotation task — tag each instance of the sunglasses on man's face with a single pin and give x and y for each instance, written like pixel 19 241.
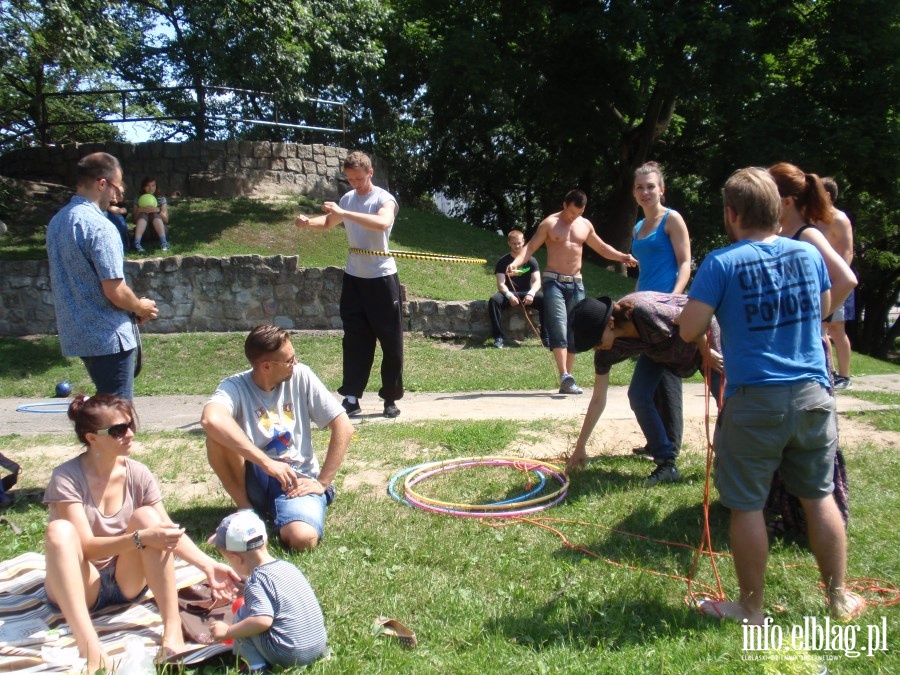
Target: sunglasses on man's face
pixel 117 430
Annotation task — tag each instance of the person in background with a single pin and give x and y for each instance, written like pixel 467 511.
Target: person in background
pixel 663 250
pixel 110 538
pixel 565 233
pixel 150 207
pixel 770 294
pixel 523 288
pixel 839 234
pixel 117 211
pixel 371 309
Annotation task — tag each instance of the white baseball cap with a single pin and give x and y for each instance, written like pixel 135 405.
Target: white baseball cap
pixel 239 532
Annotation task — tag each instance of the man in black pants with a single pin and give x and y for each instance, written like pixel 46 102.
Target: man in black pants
pixel 370 297
pixel 523 287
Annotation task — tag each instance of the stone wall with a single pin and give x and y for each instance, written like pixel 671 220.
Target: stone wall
pixel 217 169
pixel 200 293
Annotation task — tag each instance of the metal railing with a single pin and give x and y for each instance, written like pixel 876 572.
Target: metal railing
pixel 198 118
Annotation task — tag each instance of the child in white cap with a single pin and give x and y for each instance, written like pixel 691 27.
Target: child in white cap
pixel 280 622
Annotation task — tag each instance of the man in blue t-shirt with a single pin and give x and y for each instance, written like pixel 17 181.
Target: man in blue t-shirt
pixel 768 294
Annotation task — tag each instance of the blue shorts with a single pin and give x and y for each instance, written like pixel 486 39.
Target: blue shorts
pixel 110 593
pixel 846 312
pixel 267 497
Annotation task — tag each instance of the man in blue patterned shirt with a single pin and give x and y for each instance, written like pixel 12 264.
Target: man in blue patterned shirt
pixel 93 302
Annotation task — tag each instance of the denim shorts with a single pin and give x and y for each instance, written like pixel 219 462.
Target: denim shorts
pixel 267 497
pixel 792 428
pixel 110 593
pixel 559 299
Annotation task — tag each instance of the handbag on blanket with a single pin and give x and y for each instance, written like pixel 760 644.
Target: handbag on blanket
pixel 197 608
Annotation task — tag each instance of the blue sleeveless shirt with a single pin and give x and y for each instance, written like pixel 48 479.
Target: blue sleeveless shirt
pixel 656 256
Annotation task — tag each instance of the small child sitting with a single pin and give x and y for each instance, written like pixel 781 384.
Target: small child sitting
pixel 280 622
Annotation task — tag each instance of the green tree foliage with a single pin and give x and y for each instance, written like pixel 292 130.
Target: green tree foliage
pixel 282 54
pixel 49 47
pixel 527 99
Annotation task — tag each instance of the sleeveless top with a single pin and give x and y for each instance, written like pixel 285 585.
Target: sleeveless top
pixel 656 257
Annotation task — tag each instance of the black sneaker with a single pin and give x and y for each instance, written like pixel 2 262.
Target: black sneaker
pixel 352 409
pixel 664 473
pixel 391 410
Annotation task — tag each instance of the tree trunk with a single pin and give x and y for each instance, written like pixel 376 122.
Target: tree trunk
pixel 637 144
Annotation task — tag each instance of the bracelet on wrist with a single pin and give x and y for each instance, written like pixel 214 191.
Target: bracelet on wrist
pixel 138 544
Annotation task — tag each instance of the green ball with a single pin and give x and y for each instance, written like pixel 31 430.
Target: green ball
pixel 147 201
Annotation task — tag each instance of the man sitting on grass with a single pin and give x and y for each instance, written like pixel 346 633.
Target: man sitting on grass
pixel 768 294
pixel 258 426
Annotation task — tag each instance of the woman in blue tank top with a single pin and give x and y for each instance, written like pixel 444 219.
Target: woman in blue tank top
pixel 663 250
pixel 661 243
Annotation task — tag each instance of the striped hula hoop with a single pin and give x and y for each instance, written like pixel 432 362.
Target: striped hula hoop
pixel 421 256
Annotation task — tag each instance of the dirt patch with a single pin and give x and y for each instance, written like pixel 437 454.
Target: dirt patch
pixel 184 474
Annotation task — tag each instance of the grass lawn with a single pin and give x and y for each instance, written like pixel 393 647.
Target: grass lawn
pixel 501 597
pixel 194 363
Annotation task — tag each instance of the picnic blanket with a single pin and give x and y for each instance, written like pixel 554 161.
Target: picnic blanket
pixel 35 638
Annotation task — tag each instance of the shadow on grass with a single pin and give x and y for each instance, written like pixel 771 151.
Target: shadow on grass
pixel 198 222
pixel 661 545
pixel 23 358
pixel 618 622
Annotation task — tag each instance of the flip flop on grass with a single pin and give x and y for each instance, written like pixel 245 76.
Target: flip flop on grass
pixel 393 628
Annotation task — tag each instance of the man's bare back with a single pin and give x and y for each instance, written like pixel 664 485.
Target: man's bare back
pixel 839 234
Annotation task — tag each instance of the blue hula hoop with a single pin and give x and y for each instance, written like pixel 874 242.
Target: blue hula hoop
pixel 59 407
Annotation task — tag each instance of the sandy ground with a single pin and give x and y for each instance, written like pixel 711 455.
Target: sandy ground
pixel 616 434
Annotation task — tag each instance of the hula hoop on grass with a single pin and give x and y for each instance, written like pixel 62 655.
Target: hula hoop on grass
pixel 524 504
pixel 60 407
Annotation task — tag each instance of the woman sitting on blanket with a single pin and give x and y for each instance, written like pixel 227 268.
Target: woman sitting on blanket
pixel 109 536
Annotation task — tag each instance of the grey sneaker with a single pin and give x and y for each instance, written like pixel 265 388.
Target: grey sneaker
pixel 664 473
pixel 568 386
pixel 138 247
pixel 391 410
pixel 498 343
pixel 165 247
pixel 842 383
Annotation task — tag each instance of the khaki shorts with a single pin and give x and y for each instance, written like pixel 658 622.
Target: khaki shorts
pixel 792 428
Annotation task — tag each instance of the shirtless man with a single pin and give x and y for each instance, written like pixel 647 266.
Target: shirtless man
pixel 840 235
pixel 565 233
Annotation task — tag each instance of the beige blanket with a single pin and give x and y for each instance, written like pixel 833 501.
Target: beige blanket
pixel 34 637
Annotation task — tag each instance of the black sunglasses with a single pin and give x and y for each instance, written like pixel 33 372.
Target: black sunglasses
pixel 117 430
